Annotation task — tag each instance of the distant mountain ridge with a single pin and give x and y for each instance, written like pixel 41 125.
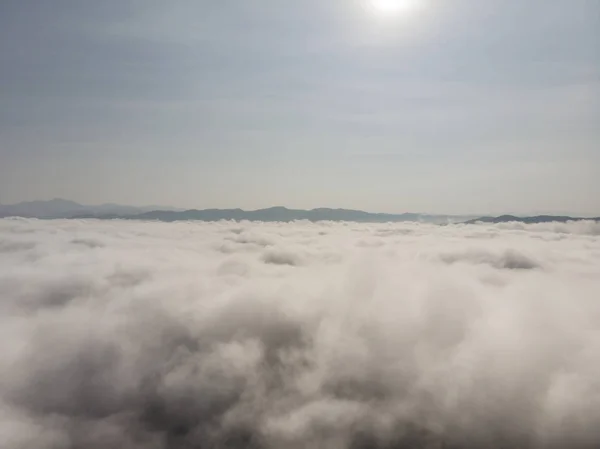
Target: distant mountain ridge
pixel 283 214
pixel 529 220
pixel 59 208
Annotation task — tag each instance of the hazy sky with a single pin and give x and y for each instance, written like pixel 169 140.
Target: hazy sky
pixel 453 106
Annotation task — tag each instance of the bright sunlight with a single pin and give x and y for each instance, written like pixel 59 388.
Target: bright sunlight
pixel 392 7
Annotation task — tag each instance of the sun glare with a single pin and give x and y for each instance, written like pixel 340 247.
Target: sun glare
pixel 392 7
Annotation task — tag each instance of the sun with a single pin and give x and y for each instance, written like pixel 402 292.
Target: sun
pixel 392 7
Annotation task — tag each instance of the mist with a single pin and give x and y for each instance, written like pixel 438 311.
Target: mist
pixel 298 335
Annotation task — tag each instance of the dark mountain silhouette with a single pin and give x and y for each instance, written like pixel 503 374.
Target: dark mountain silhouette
pixel 529 220
pixel 284 214
pixel 59 208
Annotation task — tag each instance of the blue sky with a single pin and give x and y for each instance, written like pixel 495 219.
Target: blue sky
pixel 457 106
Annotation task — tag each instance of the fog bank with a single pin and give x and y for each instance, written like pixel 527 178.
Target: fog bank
pixel 299 335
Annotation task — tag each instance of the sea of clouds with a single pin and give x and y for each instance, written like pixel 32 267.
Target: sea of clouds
pixel 123 334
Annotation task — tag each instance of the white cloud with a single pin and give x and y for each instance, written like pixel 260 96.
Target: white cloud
pixel 267 335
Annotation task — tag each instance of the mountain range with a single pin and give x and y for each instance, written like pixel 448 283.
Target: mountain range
pixel 284 214
pixel 529 220
pixel 60 208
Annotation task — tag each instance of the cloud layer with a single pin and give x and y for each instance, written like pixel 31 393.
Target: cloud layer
pixel 301 335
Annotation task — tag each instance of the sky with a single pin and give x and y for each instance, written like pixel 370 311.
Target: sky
pixel 462 106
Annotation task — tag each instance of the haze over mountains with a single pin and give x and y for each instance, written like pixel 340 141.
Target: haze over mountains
pixel 530 220
pixel 61 208
pixel 283 214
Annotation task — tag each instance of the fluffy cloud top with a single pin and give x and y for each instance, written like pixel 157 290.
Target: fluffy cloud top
pixel 304 335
